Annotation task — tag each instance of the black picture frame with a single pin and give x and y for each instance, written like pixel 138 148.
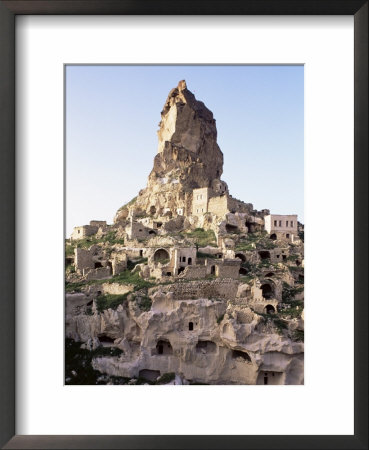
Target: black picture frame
pixel 8 11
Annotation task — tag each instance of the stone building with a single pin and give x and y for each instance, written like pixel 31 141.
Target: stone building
pixel 281 226
pixel 87 230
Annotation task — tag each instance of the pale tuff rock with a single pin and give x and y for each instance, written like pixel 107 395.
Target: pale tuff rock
pixel 206 288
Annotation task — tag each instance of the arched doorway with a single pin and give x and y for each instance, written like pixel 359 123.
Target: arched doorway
pixel 161 256
pixel 269 309
pixel 241 257
pixel 163 347
pixel 189 261
pixel 273 236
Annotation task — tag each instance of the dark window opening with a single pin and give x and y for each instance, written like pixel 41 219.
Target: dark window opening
pixel 212 270
pixel 220 255
pixel 169 274
pixel 265 379
pixel 273 237
pixel 158 224
pixel 152 210
pixel 141 253
pixel 190 326
pixel 301 278
pixel 284 257
pixel 189 261
pixel 184 259
pixel 98 265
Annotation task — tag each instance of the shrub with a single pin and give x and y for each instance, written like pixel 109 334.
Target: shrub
pixel 166 378
pixel 110 301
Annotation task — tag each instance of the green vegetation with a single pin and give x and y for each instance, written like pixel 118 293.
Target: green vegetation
pixel 201 237
pixel 252 241
pixel 166 378
pixel 144 302
pixel 205 255
pixel 298 335
pixel 110 301
pixel 78 368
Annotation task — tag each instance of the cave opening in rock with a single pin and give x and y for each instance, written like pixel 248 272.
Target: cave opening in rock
pixel 243 271
pixel 206 347
pixel 105 339
pixel 269 274
pixel 241 356
pixel 269 309
pixel 231 228
pixel 180 270
pixel 264 255
pixel 152 232
pixel 163 347
pixel 267 290
pixel 250 226
pixel 212 270
pixel 298 262
pixel 241 257
pixel 152 210
pixel 98 265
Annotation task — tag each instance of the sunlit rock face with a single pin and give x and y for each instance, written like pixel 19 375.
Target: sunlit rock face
pixel 188 156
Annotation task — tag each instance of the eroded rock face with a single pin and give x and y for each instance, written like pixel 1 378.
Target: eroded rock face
pixel 188 156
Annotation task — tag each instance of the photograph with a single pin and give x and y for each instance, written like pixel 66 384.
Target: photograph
pixel 184 224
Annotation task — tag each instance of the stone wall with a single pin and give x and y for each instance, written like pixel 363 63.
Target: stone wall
pixel 97 274
pixel 219 205
pixel 83 259
pixel 284 226
pixel 200 201
pixel 194 272
pixel 225 288
pixel 83 231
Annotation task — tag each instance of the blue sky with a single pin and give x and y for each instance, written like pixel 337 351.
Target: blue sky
pixel 112 115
